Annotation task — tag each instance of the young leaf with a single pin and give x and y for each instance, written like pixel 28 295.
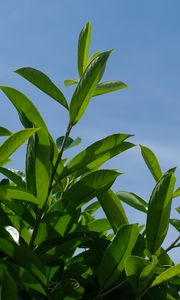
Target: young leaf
pixel 86 87
pixel 113 261
pixel 167 275
pixel 151 162
pixel 108 87
pixel 159 211
pixel 69 82
pixel 14 142
pixel 176 193
pixel 96 154
pixel 27 111
pixel 133 200
pixel 43 82
pixel 4 132
pixel 83 48
pixel 12 192
pixel 113 209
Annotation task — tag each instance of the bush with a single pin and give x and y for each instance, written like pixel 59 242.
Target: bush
pixel 51 244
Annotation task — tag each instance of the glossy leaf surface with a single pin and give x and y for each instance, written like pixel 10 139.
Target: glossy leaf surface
pixel 133 200
pixel 86 87
pixel 44 83
pixel 108 87
pixel 83 48
pixel 11 192
pixel 113 262
pixel 151 162
pixel 159 211
pixel 14 142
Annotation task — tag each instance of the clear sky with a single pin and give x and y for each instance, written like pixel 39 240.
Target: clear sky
pixel 146 35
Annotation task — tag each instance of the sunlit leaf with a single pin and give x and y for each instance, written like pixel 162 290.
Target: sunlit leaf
pixel 159 211
pixel 113 261
pixel 133 200
pixel 176 193
pixel 12 192
pixel 83 48
pixel 14 142
pixel 151 162
pixel 167 275
pixel 44 83
pixel 69 82
pixel 86 87
pixel 113 209
pixel 108 87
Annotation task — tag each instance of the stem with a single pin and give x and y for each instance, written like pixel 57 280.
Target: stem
pixel 111 290
pixel 41 210
pixel 173 245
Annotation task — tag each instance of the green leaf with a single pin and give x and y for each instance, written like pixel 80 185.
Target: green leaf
pixel 178 209
pixel 167 275
pixel 12 192
pixel 86 87
pixel 44 83
pixel 99 225
pixel 92 207
pixel 23 256
pixel 83 48
pixel 69 82
pixel 89 186
pixel 133 200
pixel 151 162
pixel 69 142
pixel 4 132
pixel 113 261
pixel 9 289
pixel 96 154
pixel 26 109
pixel 147 273
pixel 38 166
pixel 159 211
pixel 108 87
pixel 68 289
pixel 13 176
pixel 176 193
pixel 113 209
pixel 14 142
pixel 133 268
pixel 175 223
pixel 93 56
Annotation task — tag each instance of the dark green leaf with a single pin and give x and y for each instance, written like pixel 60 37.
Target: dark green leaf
pixel 93 56
pixel 96 154
pixel 113 261
pixel 113 209
pixel 14 142
pixel 9 289
pixel 13 175
pixel 147 273
pixel 151 162
pixel 99 225
pixel 133 200
pixel 4 132
pixel 11 192
pixel 92 207
pixel 69 142
pixel 108 87
pixel 86 87
pixel 167 275
pixel 159 211
pixel 69 82
pixel 44 83
pixel 68 289
pixel 83 48
pixel 178 209
pixel 175 223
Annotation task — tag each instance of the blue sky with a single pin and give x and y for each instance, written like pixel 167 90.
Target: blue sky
pixel 43 34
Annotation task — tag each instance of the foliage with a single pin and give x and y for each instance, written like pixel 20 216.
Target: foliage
pixel 51 244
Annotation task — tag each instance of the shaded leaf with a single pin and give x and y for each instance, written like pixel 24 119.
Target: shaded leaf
pixel 113 261
pixel 4 131
pixel 43 82
pixel 92 207
pixel 147 273
pixel 83 48
pixel 96 154
pixel 13 176
pixel 9 289
pixel 133 200
pixel 113 209
pixel 178 209
pixel 99 225
pixel 108 87
pixel 151 162
pixel 14 142
pixel 159 211
pixel 175 223
pixel 86 86
pixel 167 275
pixel 69 142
